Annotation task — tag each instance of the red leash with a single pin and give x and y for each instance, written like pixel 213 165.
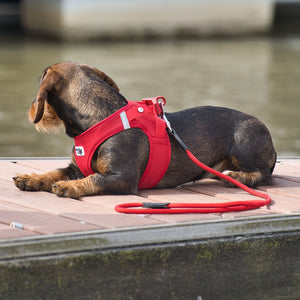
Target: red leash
pixel 185 208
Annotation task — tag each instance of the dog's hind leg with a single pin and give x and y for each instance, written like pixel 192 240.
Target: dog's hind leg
pixel 252 158
pixel 252 170
pixel 250 179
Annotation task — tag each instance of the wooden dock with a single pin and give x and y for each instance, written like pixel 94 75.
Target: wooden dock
pixel 55 246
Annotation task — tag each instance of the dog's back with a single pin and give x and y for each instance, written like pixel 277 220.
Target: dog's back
pixel 222 138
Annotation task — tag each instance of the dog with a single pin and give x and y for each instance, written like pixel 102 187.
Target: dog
pixel 77 96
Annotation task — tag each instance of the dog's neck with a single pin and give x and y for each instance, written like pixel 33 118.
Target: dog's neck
pixel 78 117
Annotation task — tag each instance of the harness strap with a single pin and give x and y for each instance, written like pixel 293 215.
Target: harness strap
pixel 144 115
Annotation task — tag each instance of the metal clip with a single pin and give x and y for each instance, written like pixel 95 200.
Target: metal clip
pixel 157 102
pixel 166 120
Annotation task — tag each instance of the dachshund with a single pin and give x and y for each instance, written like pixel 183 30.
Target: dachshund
pixel 77 96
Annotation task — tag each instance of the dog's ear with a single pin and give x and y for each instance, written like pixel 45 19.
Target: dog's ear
pixel 102 76
pixel 39 104
pixel 48 81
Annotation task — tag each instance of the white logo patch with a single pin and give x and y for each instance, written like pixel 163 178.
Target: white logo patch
pixel 79 150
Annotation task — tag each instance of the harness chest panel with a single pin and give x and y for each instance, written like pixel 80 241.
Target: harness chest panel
pixel 143 115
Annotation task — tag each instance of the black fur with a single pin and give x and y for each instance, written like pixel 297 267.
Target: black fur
pixel 80 96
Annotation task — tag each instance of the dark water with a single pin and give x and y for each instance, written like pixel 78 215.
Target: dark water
pixel 258 76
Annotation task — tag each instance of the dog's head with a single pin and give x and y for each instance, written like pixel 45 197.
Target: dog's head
pixel 74 95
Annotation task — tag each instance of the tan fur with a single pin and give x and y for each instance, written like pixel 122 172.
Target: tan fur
pixel 102 165
pixel 235 162
pixel 76 188
pixel 41 113
pixel 38 182
pixel 50 122
pixel 247 178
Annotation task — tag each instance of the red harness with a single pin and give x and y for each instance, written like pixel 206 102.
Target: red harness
pixel 145 115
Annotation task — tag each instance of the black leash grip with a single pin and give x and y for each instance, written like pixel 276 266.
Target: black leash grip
pixel 173 133
pixel 155 205
pixel 179 140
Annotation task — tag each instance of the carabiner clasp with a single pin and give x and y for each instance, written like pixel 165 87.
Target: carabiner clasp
pixel 154 100
pixel 158 102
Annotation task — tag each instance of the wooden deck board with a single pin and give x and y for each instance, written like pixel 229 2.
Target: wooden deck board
pixel 9 232
pixel 283 187
pixel 43 213
pixel 217 190
pixel 81 211
pixel 39 222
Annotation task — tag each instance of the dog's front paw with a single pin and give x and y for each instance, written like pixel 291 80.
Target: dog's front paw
pixel 66 189
pixel 30 182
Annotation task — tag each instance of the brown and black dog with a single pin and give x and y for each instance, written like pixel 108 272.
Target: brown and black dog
pixel 79 96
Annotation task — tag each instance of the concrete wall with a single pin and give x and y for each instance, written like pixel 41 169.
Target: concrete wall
pixel 89 19
pixel 242 258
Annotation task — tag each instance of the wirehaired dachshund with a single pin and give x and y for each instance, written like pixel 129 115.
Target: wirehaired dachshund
pixel 77 96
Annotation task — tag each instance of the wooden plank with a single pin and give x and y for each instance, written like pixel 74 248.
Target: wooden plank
pixel 185 194
pixel 7 232
pixel 44 165
pixel 179 218
pixel 9 169
pixel 259 212
pixel 283 187
pixel 81 211
pixel 39 222
pixel 101 216
pixel 112 200
pixel 289 170
pixel 283 204
pixel 98 211
pixel 216 189
pixel 179 195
